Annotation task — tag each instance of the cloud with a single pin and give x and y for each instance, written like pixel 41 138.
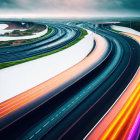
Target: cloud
pixel 7 3
pixel 71 6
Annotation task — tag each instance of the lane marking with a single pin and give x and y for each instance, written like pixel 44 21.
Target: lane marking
pixel 64 109
pixel 38 131
pixel 46 124
pixel 89 87
pixel 52 119
pixel 31 137
pixel 77 98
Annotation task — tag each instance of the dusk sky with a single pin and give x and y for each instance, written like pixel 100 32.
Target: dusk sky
pixel 50 8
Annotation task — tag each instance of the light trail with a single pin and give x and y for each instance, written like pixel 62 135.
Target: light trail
pixel 108 118
pixel 63 110
pixel 120 124
pixel 47 87
pixel 137 38
pixel 134 134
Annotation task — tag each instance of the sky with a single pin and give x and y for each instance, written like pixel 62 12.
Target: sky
pixel 69 8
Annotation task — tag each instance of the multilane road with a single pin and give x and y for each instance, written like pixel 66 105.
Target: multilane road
pixel 73 112
pixel 60 37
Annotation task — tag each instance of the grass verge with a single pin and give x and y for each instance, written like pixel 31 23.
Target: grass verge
pixel 115 30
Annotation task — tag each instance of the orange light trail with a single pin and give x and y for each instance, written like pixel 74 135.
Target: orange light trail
pixel 137 38
pixel 119 125
pixel 102 126
pixel 48 86
pixel 120 109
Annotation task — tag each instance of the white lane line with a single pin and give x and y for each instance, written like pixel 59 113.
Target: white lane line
pixel 56 115
pixel 46 124
pixel 64 109
pixel 31 137
pixel 38 131
pixel 68 105
pixel 52 119
pixel 77 98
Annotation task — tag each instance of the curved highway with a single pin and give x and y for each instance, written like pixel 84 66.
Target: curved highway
pixel 126 69
pixel 73 112
pixel 63 37
pixel 15 48
pixel 55 117
pixel 12 104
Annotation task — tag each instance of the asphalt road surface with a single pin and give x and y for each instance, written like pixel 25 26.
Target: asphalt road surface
pixel 72 113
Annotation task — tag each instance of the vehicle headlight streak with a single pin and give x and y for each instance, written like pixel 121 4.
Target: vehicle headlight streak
pixel 120 121
pixel 94 59
pixel 124 123
pixel 118 128
pixel 134 134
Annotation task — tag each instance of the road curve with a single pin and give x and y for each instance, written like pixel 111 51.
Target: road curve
pixel 127 63
pixel 88 88
pixel 61 39
pixel 92 61
pixel 83 67
pixel 114 110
